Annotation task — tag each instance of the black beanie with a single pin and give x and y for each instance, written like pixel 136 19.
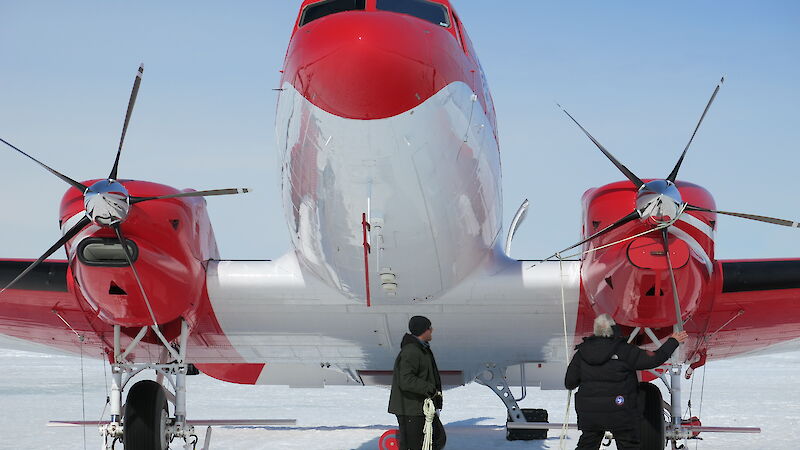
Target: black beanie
pixel 418 325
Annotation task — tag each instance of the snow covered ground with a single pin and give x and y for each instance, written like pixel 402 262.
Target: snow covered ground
pixel 34 388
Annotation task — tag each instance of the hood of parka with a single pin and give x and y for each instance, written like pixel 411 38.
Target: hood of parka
pixel 596 350
pixel 409 339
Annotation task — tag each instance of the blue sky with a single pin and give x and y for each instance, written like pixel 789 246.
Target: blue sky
pixel 636 74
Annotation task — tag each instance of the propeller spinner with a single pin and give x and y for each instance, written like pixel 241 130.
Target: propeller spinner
pixel 659 202
pixel 107 203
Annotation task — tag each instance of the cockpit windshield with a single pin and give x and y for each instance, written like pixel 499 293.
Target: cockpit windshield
pixel 324 8
pixel 432 12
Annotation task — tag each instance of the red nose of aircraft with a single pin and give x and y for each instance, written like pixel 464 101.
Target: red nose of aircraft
pixel 373 64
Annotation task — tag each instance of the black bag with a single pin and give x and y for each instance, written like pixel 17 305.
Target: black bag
pixel 531 415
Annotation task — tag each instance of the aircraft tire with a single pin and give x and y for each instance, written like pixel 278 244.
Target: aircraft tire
pixel 146 416
pixel 652 425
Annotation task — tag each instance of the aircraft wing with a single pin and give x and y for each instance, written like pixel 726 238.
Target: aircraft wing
pixel 756 306
pixel 42 309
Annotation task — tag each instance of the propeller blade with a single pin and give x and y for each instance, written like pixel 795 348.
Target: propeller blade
pixel 66 237
pixel 630 175
pixel 674 174
pixel 632 216
pixel 134 92
pixel 67 179
pixel 678 315
pixel 772 220
pixel 193 194
pixel 129 258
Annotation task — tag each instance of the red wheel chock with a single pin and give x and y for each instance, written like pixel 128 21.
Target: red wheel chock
pixel 388 441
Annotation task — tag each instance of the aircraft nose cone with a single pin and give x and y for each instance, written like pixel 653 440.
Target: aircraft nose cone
pixel 372 65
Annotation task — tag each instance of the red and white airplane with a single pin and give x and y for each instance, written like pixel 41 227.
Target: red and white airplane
pixel 392 193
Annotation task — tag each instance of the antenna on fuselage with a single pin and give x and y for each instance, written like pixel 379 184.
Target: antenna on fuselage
pixel 519 217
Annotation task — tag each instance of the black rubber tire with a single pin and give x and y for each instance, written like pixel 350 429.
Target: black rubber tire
pixel 145 417
pixel 652 426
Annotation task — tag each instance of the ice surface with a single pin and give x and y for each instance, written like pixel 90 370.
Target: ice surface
pixel 755 391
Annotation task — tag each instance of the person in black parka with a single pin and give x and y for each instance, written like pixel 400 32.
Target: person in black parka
pixel 604 366
pixel 416 378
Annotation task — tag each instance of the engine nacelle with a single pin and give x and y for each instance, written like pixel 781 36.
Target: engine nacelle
pixel 169 239
pixel 630 280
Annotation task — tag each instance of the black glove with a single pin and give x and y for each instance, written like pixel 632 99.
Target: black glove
pixel 438 400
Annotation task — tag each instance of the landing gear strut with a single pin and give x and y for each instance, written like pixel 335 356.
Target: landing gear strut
pixel 655 430
pixel 145 423
pixel 494 378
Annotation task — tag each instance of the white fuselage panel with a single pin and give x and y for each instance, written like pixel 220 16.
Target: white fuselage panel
pixel 427 179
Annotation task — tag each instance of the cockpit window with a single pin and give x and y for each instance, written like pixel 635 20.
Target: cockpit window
pixel 425 10
pixel 324 8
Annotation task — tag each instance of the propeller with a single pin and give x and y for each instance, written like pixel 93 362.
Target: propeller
pixel 772 220
pixel 80 186
pixel 208 193
pixel 107 202
pixel 674 174
pixel 620 222
pixel 129 258
pixel 132 101
pixel 71 233
pixel 659 202
pixel 675 299
pixel 625 171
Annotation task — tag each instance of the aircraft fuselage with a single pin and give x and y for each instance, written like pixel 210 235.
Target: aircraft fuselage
pixel 385 114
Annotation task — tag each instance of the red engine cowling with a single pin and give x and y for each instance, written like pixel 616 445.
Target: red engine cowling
pixel 169 238
pixel 630 280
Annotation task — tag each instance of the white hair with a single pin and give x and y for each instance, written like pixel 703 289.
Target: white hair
pixel 602 326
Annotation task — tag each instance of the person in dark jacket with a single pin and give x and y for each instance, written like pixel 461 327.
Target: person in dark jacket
pixel 416 378
pixel 604 367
